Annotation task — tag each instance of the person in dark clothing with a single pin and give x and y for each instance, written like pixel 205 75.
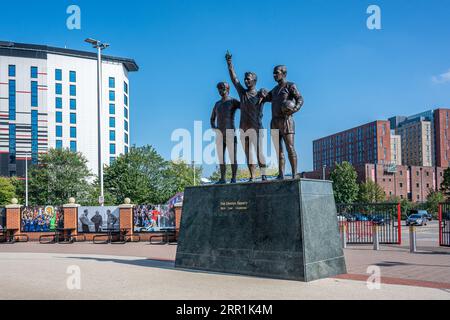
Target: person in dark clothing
pixel 97 220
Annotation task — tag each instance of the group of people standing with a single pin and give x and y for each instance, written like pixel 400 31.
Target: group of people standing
pixel 286 101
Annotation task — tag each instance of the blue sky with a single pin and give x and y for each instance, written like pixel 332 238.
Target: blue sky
pixel 348 74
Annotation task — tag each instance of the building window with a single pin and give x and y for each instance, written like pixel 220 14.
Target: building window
pixel 125 99
pixel 112 160
pixel 112 148
pixel 73 132
pixel 112 122
pixel 58 88
pixel 58 103
pixel 126 150
pixel 73 90
pixel 125 113
pixel 126 125
pixel 58 74
pixel 125 87
pixel 11 70
pixel 417 185
pixel 112 108
pixel 34 93
pixel 401 185
pixel 73 146
pixel 73 104
pixel 59 144
pixel 112 135
pixel 126 138
pixel 12 99
pixel 59 132
pixel 112 95
pixel 112 83
pixel 72 76
pixel 58 117
pixel 34 72
pixel 73 118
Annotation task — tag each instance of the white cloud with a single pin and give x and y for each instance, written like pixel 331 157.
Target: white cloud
pixel 442 78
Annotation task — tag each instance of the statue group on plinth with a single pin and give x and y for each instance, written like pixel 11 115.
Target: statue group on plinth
pixel 286 101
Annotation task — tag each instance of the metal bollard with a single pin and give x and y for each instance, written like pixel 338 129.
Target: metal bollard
pixel 412 239
pixel 344 236
pixel 376 238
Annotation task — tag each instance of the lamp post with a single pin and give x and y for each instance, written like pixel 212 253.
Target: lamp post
pixel 99 46
pixel 26 180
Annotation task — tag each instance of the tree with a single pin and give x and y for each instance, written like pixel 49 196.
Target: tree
pixel 7 191
pixel 433 200
pixel 146 178
pixel 60 174
pixel 371 192
pixel 137 175
pixel 445 185
pixel 177 177
pixel 345 183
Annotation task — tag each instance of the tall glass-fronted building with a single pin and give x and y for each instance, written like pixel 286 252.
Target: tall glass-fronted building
pixel 48 99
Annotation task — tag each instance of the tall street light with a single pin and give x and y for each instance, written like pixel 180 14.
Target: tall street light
pixel 99 46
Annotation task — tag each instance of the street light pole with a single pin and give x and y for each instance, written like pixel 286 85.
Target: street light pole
pixel 26 180
pixel 99 46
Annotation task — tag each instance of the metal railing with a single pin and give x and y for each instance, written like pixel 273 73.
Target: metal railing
pixel 361 219
pixel 444 224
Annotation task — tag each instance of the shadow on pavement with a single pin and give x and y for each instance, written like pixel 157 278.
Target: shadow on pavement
pixel 397 264
pixel 148 263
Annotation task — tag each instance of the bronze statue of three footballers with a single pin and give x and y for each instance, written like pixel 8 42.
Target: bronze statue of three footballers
pixel 286 101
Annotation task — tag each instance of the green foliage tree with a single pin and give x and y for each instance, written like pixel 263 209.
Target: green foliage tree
pixel 445 185
pixel 433 200
pixel 177 176
pixel 7 191
pixel 371 192
pixel 145 177
pixel 345 183
pixel 61 174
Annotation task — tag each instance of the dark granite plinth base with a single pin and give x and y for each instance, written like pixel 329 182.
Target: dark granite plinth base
pixel 283 229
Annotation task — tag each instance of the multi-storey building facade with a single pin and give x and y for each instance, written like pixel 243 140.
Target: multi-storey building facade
pixel 442 137
pixel 48 99
pixel 369 143
pixel 417 143
pixel 396 149
pixel 405 182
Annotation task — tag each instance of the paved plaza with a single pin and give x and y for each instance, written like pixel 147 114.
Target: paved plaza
pixel 144 271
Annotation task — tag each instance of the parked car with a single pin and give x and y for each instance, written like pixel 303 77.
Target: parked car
pixel 416 220
pixel 423 213
pixel 342 218
pixel 381 219
pixel 361 217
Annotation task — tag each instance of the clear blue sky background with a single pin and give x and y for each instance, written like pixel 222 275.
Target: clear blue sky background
pixel 348 74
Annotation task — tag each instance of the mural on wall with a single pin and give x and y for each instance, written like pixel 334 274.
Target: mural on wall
pixel 151 218
pixel 98 219
pixel 41 219
pixel 2 218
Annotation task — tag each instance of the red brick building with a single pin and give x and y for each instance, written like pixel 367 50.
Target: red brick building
pixel 442 137
pixel 406 182
pixel 369 143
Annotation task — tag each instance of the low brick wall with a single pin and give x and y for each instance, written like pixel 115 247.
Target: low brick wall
pixel 13 221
